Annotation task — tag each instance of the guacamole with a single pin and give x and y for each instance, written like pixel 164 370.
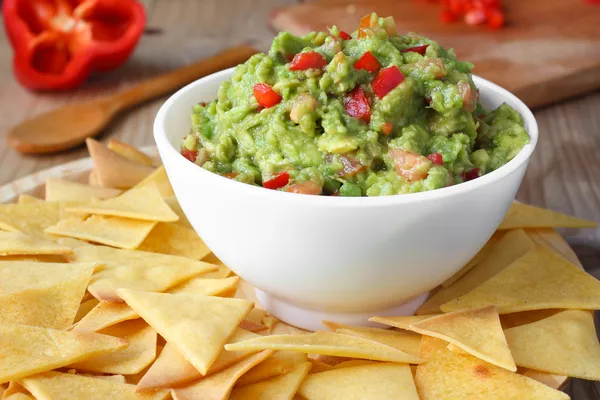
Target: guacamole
pixel 373 113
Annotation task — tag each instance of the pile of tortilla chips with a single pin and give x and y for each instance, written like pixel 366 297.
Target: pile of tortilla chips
pixel 106 292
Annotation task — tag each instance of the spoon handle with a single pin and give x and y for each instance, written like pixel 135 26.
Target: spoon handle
pixel 171 81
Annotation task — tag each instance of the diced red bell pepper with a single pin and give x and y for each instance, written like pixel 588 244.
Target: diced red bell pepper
pixel 386 80
pixel 368 62
pixel 307 60
pixel 436 158
pixel 387 128
pixel 307 187
pixel 189 154
pixel 57 44
pixel 265 95
pixel 345 36
pixel 417 49
pixel 470 175
pixel 279 181
pixel 357 104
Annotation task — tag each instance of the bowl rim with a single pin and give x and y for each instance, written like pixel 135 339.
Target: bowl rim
pixel 166 148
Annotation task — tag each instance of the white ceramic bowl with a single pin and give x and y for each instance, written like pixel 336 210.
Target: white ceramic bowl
pixel 318 257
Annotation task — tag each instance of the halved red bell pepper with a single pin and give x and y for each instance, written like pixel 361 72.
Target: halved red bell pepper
pixel 58 43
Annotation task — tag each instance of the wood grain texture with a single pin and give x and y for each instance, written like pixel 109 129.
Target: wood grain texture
pixel 549 50
pixel 563 174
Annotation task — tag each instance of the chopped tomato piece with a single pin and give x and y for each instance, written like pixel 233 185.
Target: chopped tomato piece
pixel 365 22
pixel 230 175
pixel 495 19
pixel 436 158
pixel 307 187
pixel 351 166
pixel 308 60
pixel 417 49
pixel 368 62
pixel 386 80
pixel 411 166
pixel 189 154
pixel 357 105
pixel 470 175
pixel 345 36
pixel 386 128
pixel 475 17
pixel 364 33
pixel 279 181
pixel 469 96
pixel 447 17
pixel 265 95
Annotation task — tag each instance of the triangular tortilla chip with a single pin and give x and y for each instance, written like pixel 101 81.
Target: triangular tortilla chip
pixel 113 231
pixel 27 350
pixel 373 381
pixel 161 180
pixel 31 219
pixel 402 321
pixel 208 287
pixel 252 326
pixel 42 294
pixel 551 239
pixel 136 270
pixel 354 363
pixel 176 240
pixel 522 215
pixel 61 386
pixel 407 342
pixel 477 332
pixel 15 391
pixel 328 343
pixel 281 362
pixel 539 280
pixel 282 387
pixel 176 207
pixel 509 248
pixel 525 317
pixel 170 369
pixel 84 308
pixel 554 381
pixel 218 386
pixel 221 272
pixel 130 360
pixel 93 178
pixel 144 203
pixel 477 258
pixel 17 243
pixel 112 169
pixel 28 199
pixel 129 152
pixel 448 375
pixel 564 344
pixel 281 328
pixel 319 366
pixel 63 190
pixel 197 325
pixel 113 378
pixel 103 315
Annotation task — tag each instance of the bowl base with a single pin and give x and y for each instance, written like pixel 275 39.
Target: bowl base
pixel 311 320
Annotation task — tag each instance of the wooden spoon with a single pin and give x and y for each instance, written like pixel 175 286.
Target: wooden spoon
pixel 69 126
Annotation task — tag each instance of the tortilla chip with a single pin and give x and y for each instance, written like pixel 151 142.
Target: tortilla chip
pixel 281 362
pixel 28 350
pixel 60 386
pixel 221 272
pixel 277 388
pixel 539 280
pixel 136 270
pixel 208 287
pixel 197 325
pixel 554 381
pixel 477 258
pixel 129 152
pixel 448 375
pixel 63 190
pixel 525 317
pixel 373 381
pixel 112 169
pixel 112 378
pixel 401 321
pixel 28 199
pixel 134 358
pixel 552 240
pixel 354 363
pixel 84 308
pixel 281 328
pixel 17 243
pixel 508 249
pixel 144 203
pixel 176 240
pixel 407 342
pixel 563 344
pixel 103 315
pixel 269 321
pixel 93 178
pixel 173 203
pixel 319 366
pixel 42 294
pixel 218 386
pixel 30 219
pixel 525 216
pixel 161 180
pixel 328 343
pixel 478 332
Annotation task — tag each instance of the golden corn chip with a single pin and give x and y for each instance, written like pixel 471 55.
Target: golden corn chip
pixel 30 219
pixel 15 391
pixel 354 363
pixel 563 344
pixel 63 190
pixel 103 315
pixel 173 203
pixel 551 239
pixel 197 325
pixel 282 387
pixel 448 375
pixel 373 381
pixel 175 239
pixel 554 381
pixel 84 308
pixel 218 386
pixel 508 249
pixel 525 216
pixel 129 152
pixel 402 321
pixel 208 287
pixel 113 378
pixel 252 326
pixel 319 366
pixel 282 328
pixel 28 350
pixel 28 199
pixel 134 358
pixel 541 279
pixel 161 180
pixel 525 317
pixel 281 362
pixel 328 343
pixel 17 243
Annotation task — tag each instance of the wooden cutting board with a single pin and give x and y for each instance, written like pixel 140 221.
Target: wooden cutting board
pixel 549 50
